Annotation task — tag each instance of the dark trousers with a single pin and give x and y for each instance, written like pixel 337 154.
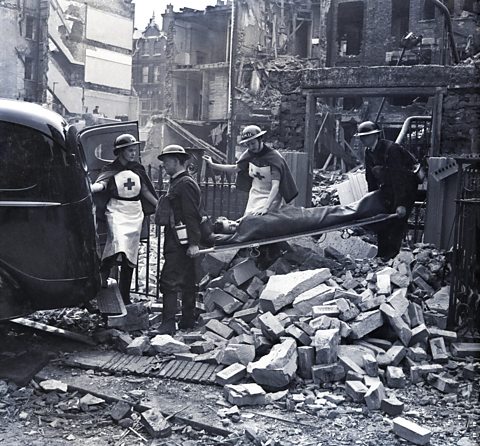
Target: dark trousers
pixel 178 279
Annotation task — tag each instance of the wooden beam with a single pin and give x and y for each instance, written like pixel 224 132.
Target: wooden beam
pixel 311 108
pixel 370 91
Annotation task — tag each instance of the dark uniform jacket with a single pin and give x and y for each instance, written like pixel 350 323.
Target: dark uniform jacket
pixel 185 200
pixel 390 168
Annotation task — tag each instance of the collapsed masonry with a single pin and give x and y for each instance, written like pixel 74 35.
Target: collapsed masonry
pixel 325 318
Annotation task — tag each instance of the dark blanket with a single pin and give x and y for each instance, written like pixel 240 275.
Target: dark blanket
pixel 294 220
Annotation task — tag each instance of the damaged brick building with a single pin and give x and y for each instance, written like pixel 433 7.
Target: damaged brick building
pixel 23 49
pixel 272 42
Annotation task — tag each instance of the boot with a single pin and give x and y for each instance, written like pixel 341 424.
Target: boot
pixel 187 320
pixel 168 315
pixel 125 283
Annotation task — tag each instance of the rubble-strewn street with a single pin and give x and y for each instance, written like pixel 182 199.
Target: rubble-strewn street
pixel 319 348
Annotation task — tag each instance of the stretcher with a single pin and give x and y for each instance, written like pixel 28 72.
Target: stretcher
pixel 287 237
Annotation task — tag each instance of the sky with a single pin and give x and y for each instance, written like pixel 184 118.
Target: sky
pixel 144 9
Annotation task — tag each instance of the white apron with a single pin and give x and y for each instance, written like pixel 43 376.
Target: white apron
pixel 260 190
pixel 124 218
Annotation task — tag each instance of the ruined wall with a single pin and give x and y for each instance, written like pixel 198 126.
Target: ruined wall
pixel 461 121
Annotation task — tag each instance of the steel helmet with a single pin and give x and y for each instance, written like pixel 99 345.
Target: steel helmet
pixel 173 149
pixel 367 128
pixel 251 132
pixel 123 141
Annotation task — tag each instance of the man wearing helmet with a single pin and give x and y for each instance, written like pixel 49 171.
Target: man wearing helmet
pixel 389 168
pixel 129 196
pixel 262 171
pixel 180 210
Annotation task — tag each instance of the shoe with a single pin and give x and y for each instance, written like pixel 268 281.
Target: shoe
pixel 167 328
pixel 186 324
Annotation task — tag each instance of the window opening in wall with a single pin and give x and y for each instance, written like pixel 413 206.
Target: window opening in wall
pixel 158 47
pixel 145 75
pixel 350 28
pixel 468 5
pixel 400 18
pixel 352 102
pixel 302 39
pixel 181 101
pixel 29 27
pixel 428 12
pixel 404 100
pixel 151 74
pixel 28 68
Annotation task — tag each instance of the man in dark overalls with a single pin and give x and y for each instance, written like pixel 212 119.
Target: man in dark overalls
pixel 181 240
pixel 389 168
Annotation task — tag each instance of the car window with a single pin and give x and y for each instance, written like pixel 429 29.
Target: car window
pixel 33 166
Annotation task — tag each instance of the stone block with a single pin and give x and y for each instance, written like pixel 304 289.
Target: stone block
pixel 271 326
pixel 438 350
pixel 369 381
pixel 200 347
pixel 352 376
pixel 237 293
pixel 348 310
pixel 326 346
pixel 306 359
pixel 465 349
pixel 365 323
pixel 137 318
pixel 411 431
pixel 276 369
pixel 443 383
pixel 243 339
pixel 219 328
pixel 120 410
pixel 356 390
pixel 370 365
pixel 212 357
pixel 371 301
pixel 350 295
pixel 396 353
pixel 325 310
pixel 304 302
pixel 281 290
pixel 155 424
pixel 436 319
pixel 403 331
pixel 261 343
pixel 299 335
pixel 420 372
pixel 215 298
pixel 400 280
pixel 232 374
pixel 384 285
pixel 416 353
pixel 419 334
pixel 423 285
pixel 255 287
pixel 328 373
pixel 350 365
pixel 239 326
pixel 243 271
pixel 396 305
pixel 244 394
pixel 214 263
pixel 204 318
pixel 439 302
pixel 392 406
pixel 305 327
pixel 395 377
pixel 384 344
pixel 448 336
pixel 416 314
pixel 238 353
pixel 138 346
pixel 374 396
pixel 218 340
pixel 166 345
pixel 247 315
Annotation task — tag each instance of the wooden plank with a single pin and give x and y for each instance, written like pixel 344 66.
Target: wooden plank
pixel 193 371
pixel 186 370
pixel 54 330
pixel 180 366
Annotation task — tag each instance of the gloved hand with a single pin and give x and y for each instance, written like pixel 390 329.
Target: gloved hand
pixel 401 211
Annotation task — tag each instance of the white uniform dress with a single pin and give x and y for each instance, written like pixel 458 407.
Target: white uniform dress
pixel 124 218
pixel 262 177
